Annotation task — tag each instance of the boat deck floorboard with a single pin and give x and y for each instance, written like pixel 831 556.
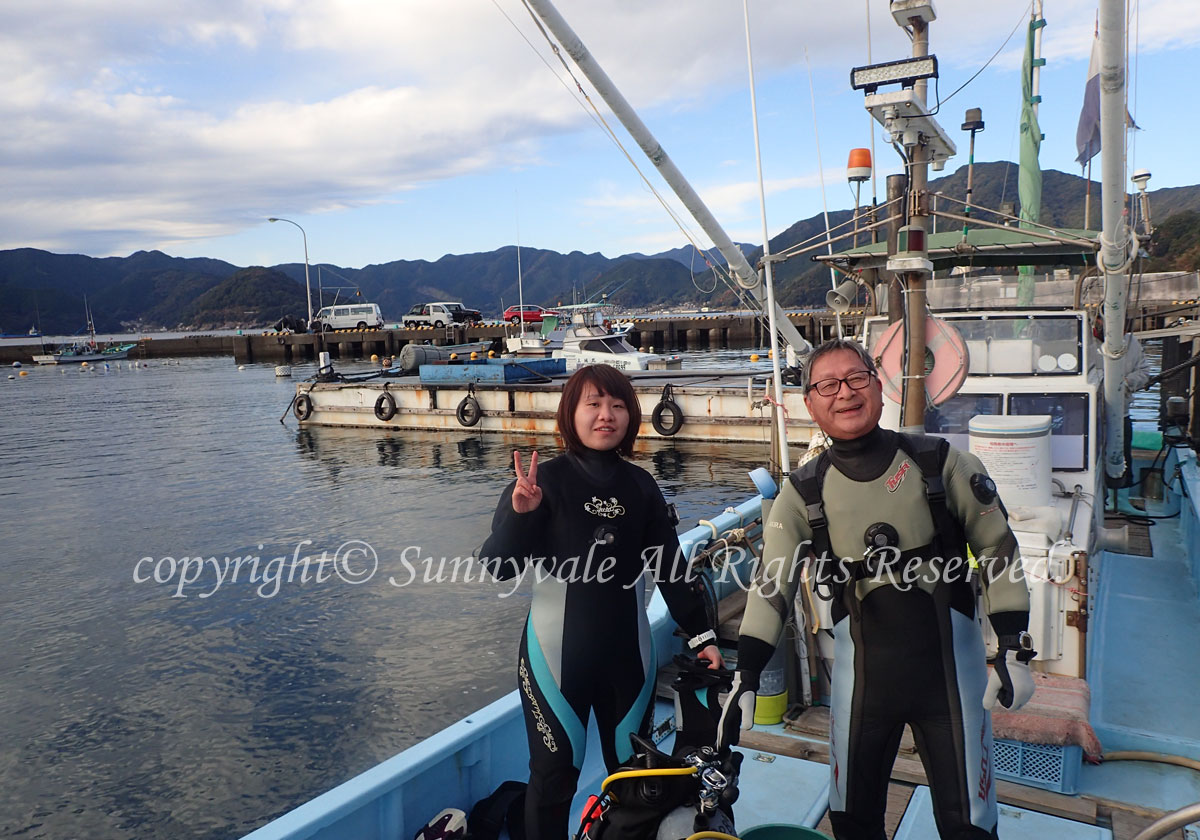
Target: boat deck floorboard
pixel 1146 623
pixel 1134 584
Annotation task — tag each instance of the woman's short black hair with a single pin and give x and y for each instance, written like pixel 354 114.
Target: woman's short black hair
pixel 607 380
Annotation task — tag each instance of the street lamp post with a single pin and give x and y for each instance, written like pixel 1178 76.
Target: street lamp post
pixel 307 285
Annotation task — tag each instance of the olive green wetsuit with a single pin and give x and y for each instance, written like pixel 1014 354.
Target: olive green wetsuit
pixel 908 646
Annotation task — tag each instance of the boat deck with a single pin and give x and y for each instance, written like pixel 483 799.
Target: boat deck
pixel 778 785
pixel 1145 676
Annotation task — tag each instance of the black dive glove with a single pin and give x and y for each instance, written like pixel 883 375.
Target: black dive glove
pixel 1010 681
pixel 737 712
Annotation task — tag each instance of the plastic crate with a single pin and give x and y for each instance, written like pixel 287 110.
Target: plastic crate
pixel 1045 766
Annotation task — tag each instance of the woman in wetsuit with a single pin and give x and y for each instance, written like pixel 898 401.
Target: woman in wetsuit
pixel 592 528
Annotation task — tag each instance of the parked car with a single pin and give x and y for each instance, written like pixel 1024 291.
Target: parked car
pixel 362 316
pixel 441 314
pixel 529 313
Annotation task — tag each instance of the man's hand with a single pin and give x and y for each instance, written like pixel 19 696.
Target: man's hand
pixel 1009 681
pixel 526 495
pixel 737 712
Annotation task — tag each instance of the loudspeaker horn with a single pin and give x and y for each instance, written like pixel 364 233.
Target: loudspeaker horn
pixel 839 299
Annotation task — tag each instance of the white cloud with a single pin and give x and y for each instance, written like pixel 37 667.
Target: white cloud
pixel 131 120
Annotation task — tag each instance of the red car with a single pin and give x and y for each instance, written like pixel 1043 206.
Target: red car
pixel 528 313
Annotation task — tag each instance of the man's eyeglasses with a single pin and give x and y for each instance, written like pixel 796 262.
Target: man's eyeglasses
pixel 829 387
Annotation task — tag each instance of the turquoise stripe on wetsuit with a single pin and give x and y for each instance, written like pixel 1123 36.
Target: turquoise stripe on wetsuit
pixel 587 647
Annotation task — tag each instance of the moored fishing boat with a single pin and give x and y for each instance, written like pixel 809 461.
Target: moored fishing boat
pixel 88 351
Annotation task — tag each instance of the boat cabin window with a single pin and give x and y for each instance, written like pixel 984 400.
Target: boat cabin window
pixel 950 419
pixel 1015 345
pixel 1068 425
pixel 611 344
pixel 1022 345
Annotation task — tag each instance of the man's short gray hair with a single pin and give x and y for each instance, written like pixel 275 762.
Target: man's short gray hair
pixel 830 346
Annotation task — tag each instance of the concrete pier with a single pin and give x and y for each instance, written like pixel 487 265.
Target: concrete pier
pixel 665 333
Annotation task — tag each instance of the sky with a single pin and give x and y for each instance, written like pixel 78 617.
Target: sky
pixel 410 129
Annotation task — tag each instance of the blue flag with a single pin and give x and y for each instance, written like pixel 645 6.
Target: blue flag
pixel 1087 135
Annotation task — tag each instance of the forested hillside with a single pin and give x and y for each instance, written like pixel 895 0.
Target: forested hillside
pixel 149 289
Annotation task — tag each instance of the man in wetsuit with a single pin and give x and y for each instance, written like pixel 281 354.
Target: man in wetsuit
pixel 899 511
pixel 587 524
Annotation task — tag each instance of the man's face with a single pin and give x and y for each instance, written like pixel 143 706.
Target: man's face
pixel 847 414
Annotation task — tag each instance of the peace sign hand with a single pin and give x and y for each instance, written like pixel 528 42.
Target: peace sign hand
pixel 526 495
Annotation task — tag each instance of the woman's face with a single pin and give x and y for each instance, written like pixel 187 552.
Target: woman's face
pixel 601 420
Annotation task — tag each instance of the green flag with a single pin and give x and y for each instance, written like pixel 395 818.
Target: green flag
pixel 1029 178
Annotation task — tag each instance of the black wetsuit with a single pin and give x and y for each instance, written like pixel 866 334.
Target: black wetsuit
pixel 902 654
pixel 587 644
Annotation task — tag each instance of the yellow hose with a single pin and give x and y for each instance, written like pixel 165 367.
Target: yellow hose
pixel 711 835
pixel 1162 758
pixel 630 774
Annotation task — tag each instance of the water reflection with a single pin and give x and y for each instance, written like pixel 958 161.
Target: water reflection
pixel 668 464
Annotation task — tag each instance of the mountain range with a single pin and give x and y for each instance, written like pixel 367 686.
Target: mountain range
pixel 149 289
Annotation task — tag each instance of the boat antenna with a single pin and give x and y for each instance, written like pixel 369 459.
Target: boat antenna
pixel 91 327
pixel 520 283
pixel 833 282
pixel 785 466
pixel 870 119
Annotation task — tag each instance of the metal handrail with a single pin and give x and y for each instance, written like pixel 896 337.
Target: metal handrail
pixel 1171 822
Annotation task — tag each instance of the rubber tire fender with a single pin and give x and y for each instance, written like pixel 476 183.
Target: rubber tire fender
pixel 661 424
pixel 303 407
pixel 385 406
pixel 468 411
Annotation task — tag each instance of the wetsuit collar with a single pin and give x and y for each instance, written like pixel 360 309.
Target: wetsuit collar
pixel 864 458
pixel 595 464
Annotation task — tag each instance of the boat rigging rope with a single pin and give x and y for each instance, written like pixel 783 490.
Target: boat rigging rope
pixel 598 118
pixel 940 102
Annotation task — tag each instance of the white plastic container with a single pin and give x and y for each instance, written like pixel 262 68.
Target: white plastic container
pixel 1016 451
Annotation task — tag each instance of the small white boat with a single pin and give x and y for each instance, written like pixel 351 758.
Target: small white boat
pixel 588 338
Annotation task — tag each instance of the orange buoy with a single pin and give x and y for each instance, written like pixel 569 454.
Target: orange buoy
pixel 859 166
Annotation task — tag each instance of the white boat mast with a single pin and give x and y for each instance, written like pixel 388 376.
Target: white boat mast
pixel 746 276
pixel 520 282
pixel 1114 238
pixel 785 466
pixel 905 115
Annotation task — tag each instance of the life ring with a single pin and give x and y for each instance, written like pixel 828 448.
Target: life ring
pixel 664 427
pixel 946 360
pixel 385 406
pixel 303 407
pixel 468 411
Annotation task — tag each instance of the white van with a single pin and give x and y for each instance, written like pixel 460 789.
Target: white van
pixel 361 316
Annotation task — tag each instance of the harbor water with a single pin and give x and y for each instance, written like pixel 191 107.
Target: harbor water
pixel 173 667
pixel 149 691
